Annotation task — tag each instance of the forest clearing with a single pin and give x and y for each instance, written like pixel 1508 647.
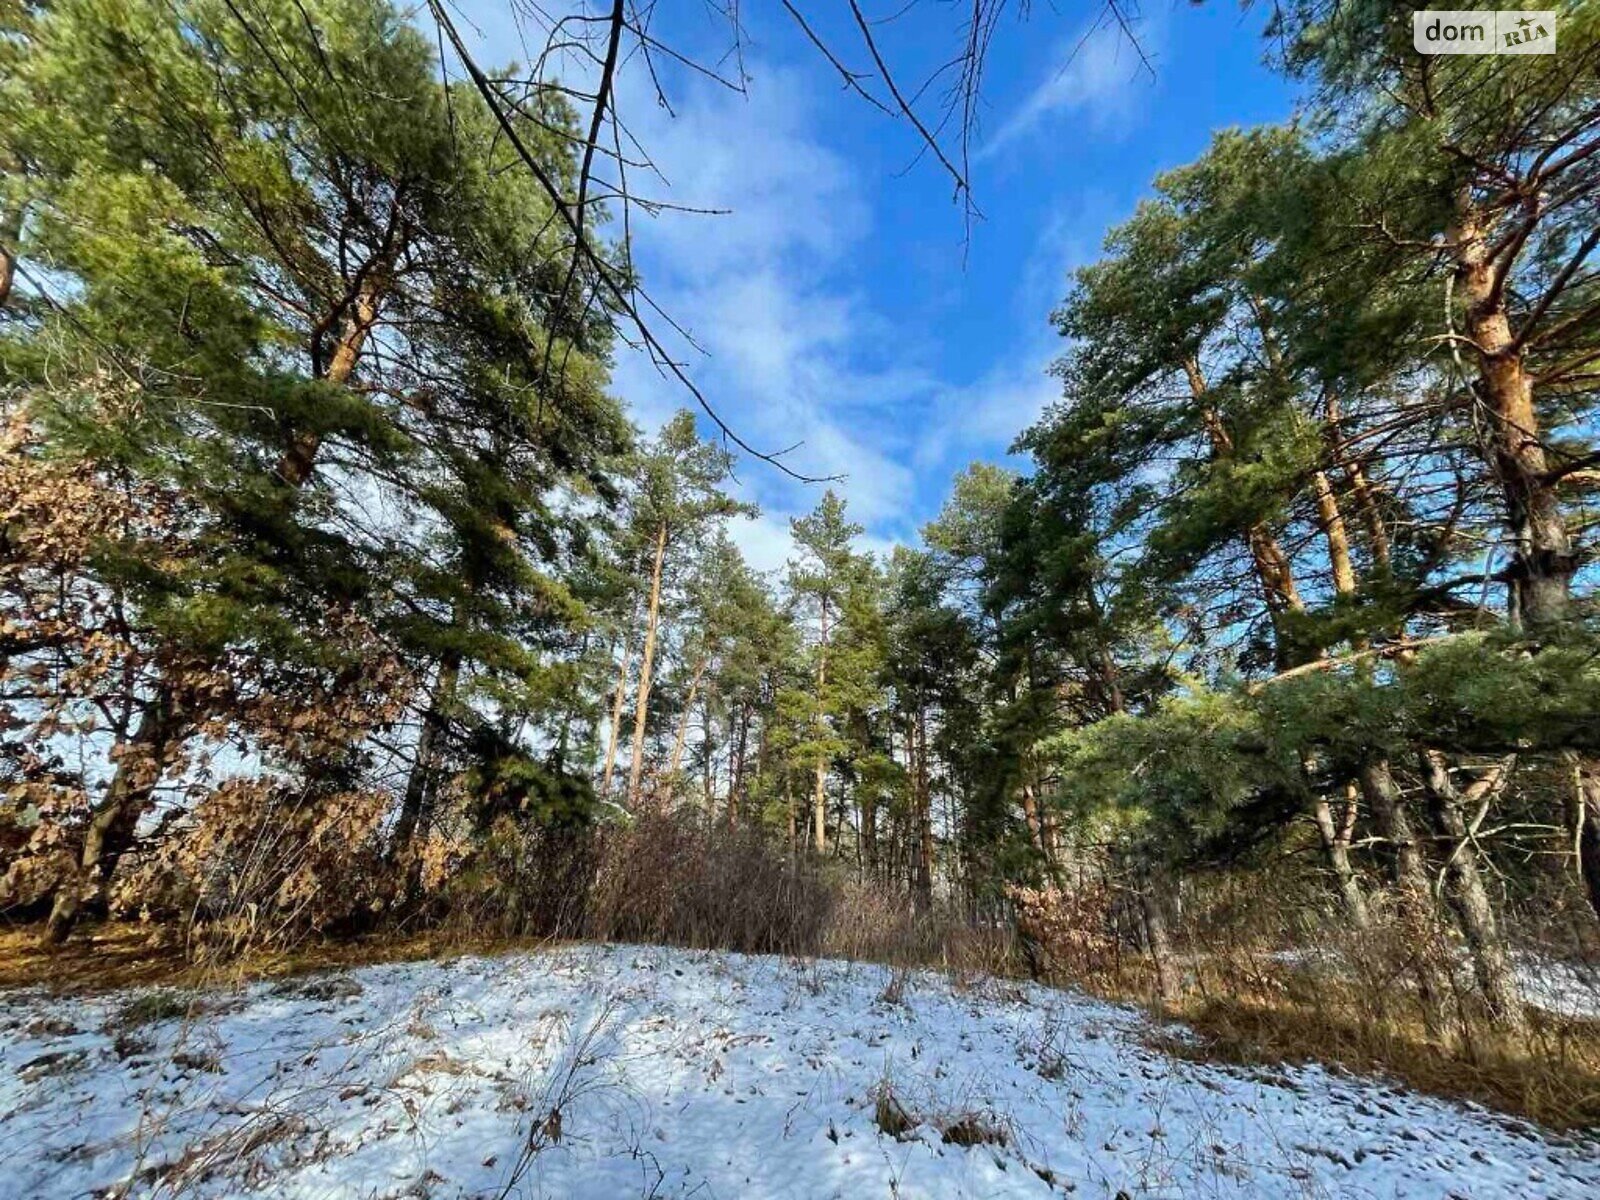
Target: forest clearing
pixel 563 633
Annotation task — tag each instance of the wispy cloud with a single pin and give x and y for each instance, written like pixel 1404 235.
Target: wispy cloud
pixel 1100 78
pixel 793 351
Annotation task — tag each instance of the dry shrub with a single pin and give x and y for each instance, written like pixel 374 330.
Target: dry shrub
pixel 1068 935
pixel 1552 1077
pixel 256 865
pixel 679 880
pixel 522 881
pixel 872 923
pixel 1273 972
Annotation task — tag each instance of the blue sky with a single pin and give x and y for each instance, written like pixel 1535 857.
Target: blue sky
pixel 836 303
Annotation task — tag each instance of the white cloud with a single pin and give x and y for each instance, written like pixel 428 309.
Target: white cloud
pixel 1101 79
pixel 764 290
pixel 764 541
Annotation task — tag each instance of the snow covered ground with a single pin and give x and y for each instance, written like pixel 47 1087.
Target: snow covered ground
pixel 615 1072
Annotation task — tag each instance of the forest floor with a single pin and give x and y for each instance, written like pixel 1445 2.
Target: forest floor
pixel 616 1071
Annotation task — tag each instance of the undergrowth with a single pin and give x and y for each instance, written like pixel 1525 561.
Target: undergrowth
pixel 1258 983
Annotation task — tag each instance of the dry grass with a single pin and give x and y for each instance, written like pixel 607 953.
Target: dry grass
pixel 1268 976
pixel 1552 1079
pixel 113 955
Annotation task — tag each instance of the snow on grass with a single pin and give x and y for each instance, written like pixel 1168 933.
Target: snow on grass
pixel 612 1072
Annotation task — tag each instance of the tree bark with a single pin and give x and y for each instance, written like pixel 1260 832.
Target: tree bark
pixel 788 808
pixel 1361 488
pixel 421 782
pixel 736 767
pixel 683 724
pixel 1030 814
pixel 1272 566
pixel 296 465
pixel 642 704
pixel 1491 963
pixel 924 876
pixel 1336 838
pixel 1410 871
pixel 10 234
pixel 709 774
pixel 1333 529
pixel 1543 560
pixel 1157 940
pixel 115 820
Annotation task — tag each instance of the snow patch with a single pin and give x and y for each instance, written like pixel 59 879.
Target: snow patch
pixel 614 1071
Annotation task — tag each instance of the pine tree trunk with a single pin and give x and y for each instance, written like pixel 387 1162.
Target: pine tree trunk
pixel 1030 815
pixel 1544 560
pixel 869 823
pixel 924 878
pixel 296 465
pixel 683 726
pixel 1157 940
pixel 1336 837
pixel 1490 962
pixel 1333 529
pixel 1417 912
pixel 115 820
pixel 709 775
pixel 1273 569
pixel 736 768
pixel 618 698
pixel 642 705
pixel 788 808
pixel 820 800
pixel 1361 489
pixel 422 779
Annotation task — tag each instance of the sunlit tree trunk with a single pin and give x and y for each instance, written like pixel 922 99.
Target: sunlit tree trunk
pixel 1584 825
pixel 301 457
pixel 1544 560
pixel 1464 883
pixel 1336 838
pixel 1333 529
pixel 682 735
pixel 642 704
